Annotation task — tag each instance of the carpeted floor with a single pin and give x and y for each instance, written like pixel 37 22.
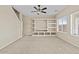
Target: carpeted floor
pixel 40 45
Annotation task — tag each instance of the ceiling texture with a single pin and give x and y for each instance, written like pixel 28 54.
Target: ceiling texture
pixel 50 11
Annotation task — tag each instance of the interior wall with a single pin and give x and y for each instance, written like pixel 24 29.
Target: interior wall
pixel 10 26
pixel 27 24
pixel 67 35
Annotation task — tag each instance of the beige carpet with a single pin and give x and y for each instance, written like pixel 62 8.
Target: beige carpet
pixel 29 44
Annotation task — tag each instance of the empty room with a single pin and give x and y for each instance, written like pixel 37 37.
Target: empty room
pixel 39 29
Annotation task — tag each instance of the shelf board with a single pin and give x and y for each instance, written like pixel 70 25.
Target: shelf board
pixel 51 27
pixel 51 23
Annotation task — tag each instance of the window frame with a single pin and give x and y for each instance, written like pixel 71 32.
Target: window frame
pixel 71 19
pixel 62 18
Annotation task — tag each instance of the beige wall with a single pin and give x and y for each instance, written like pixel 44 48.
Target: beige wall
pixel 67 36
pixel 27 25
pixel 10 26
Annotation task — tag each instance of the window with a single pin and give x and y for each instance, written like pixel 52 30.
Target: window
pixel 75 23
pixel 62 24
pixel 65 24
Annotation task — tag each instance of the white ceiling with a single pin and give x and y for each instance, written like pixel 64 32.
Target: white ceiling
pixel 51 9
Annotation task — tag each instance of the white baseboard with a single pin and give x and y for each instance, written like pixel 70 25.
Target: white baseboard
pixel 4 46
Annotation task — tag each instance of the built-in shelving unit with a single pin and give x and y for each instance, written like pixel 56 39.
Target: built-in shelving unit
pixel 44 27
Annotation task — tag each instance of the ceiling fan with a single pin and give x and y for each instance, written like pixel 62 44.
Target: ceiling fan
pixel 39 10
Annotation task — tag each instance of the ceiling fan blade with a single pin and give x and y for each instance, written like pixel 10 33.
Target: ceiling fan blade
pixel 43 11
pixel 38 5
pixel 36 8
pixel 39 8
pixel 44 8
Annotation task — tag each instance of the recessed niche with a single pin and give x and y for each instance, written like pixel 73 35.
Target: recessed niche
pixel 48 33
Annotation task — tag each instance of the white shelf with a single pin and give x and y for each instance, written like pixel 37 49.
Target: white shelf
pixel 51 23
pixel 51 27
pixel 50 30
pixel 44 33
